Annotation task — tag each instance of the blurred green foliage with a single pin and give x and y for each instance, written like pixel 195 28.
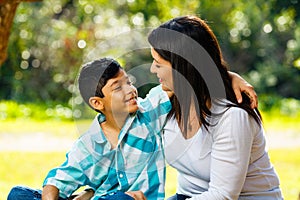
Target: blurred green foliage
pixel 55 111
pixel 51 39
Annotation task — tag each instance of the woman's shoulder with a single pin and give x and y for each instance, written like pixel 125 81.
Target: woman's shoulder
pixel 236 112
pixel 225 108
pixel 226 113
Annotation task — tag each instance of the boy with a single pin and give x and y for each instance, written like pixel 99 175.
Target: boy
pixel 122 150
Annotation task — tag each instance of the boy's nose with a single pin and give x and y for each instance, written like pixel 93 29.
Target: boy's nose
pixel 130 89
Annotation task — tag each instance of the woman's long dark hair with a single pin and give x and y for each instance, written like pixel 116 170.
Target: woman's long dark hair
pixel 183 71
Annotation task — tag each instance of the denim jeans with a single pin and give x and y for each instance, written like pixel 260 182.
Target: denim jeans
pixel 178 197
pixel 25 193
pixel 115 196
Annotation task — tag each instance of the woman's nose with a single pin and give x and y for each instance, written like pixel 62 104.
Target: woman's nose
pixel 152 68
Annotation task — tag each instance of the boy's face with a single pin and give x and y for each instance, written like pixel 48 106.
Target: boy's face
pixel 119 95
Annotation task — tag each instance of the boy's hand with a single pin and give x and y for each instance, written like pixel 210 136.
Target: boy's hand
pixel 137 195
pixel 84 195
pixel 239 85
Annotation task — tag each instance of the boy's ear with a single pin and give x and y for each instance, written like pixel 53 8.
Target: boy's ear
pixel 96 103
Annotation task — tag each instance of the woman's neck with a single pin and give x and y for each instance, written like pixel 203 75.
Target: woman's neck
pixel 193 121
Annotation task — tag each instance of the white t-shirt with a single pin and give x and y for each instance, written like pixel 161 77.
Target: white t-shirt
pixel 229 161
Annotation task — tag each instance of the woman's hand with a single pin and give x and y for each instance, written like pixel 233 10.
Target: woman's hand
pixel 239 85
pixel 137 195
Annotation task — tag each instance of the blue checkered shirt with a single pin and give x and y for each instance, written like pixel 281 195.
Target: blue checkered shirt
pixel 137 163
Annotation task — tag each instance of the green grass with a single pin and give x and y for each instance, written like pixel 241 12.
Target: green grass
pixel 27 168
pixel 287 163
pixel 276 121
pixel 30 168
pixel 54 128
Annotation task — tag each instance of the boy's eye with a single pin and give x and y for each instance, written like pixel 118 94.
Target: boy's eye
pixel 131 79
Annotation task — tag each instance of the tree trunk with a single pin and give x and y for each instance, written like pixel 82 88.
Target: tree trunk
pixel 7 12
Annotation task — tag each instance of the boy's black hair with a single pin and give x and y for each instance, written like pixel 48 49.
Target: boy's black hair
pixel 94 75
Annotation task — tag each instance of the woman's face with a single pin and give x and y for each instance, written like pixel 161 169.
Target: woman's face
pixel 163 70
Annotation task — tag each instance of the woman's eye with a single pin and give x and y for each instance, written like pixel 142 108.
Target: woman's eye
pixel 117 88
pixel 157 66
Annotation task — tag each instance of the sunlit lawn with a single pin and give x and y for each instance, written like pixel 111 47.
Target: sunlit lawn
pixel 54 127
pixel 30 168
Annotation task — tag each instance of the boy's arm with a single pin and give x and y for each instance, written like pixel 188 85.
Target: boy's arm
pixel 50 192
pixel 239 85
pixel 68 177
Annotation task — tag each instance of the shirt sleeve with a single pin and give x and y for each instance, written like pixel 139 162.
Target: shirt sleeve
pixel 70 175
pixel 230 156
pixel 155 107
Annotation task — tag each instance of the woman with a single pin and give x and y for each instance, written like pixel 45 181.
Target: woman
pixel 216 143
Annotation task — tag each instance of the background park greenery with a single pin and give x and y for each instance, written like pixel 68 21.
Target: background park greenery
pixel 51 39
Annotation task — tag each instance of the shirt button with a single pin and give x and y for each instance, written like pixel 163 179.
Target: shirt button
pixel 121 175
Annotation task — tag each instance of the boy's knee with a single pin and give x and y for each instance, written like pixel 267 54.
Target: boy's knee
pixel 14 193
pixel 24 193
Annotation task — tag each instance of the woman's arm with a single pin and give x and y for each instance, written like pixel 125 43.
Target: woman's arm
pixel 239 85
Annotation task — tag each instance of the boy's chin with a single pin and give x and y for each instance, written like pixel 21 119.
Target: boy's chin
pixel 133 110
